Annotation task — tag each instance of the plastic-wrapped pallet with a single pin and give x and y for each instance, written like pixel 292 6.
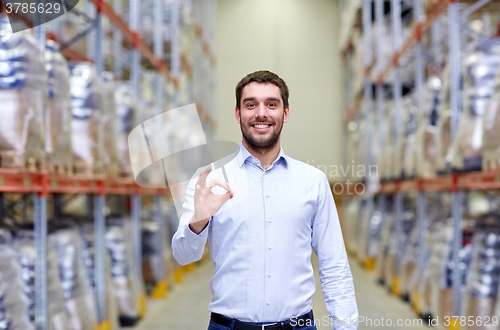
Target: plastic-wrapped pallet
pixel 74 282
pixel 58 115
pixel 481 66
pixel 439 272
pixel 386 241
pixel 154 248
pixel 352 210
pixel 423 160
pixel 127 287
pixel 386 161
pixel 491 130
pixel 56 310
pixel 375 226
pixel 406 138
pixel 443 134
pixel 482 287
pixel 86 123
pixel 23 90
pixel 362 229
pixel 127 109
pixel 399 246
pixel 437 219
pixel 13 302
pixel 87 238
pixel 110 152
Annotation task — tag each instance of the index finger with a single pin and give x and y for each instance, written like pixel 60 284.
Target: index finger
pixel 202 179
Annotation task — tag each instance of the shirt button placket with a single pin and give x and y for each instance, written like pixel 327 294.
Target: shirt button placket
pixel 265 192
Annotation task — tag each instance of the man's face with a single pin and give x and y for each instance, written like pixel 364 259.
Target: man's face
pixel 261 115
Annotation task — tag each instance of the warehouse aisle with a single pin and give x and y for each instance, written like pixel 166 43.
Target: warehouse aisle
pixel 186 306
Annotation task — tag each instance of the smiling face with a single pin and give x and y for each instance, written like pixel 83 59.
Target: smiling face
pixel 261 115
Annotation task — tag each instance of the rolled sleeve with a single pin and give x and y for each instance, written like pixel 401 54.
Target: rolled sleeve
pixel 334 270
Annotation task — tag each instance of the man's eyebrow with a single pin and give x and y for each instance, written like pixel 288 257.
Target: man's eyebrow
pixel 273 99
pixel 249 99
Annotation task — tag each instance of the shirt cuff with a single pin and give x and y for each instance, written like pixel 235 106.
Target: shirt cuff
pixel 194 239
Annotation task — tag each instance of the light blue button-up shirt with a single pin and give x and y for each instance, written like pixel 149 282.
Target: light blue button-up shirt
pixel 260 243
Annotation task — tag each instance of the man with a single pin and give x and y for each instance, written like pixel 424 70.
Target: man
pixel 261 226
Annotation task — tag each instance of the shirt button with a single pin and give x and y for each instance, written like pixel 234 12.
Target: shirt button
pixel 269 275
pixel 192 254
pixel 267 195
pixel 270 248
pixel 269 220
pixel 268 302
pixel 196 240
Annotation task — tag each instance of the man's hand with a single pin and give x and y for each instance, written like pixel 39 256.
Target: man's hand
pixel 206 203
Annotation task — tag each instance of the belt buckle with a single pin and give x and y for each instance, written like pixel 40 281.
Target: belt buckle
pixel 265 325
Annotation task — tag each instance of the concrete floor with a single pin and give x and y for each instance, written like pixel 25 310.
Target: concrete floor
pixel 186 306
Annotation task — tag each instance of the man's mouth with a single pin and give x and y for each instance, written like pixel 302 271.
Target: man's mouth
pixel 261 127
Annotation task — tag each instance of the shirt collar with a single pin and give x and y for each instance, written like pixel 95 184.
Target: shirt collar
pixel 244 154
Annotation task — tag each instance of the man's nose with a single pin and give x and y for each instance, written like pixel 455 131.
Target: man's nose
pixel 261 111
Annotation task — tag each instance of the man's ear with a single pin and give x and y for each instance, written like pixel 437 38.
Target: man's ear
pixel 285 115
pixel 237 114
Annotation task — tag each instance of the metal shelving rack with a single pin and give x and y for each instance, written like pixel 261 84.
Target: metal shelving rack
pixel 200 84
pixel 424 21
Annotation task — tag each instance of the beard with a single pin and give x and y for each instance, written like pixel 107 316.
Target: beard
pixel 262 145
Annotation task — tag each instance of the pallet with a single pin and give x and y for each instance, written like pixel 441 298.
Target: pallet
pixel 30 165
pixel 60 169
pixel 491 160
pixel 84 168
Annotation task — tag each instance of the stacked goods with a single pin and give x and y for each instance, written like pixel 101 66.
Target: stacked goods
pixel 482 288
pixel 481 66
pixel 436 216
pixel 443 134
pixel 153 248
pixel 423 160
pixel 58 114
pixel 23 90
pixel 387 239
pixel 352 213
pixel 409 266
pixel 399 245
pixel 126 286
pixel 386 161
pixel 491 129
pixel 406 138
pixel 74 282
pixel 13 302
pixel 86 123
pixel 362 229
pixel 110 153
pixel 87 240
pixel 440 270
pixel 56 311
pixel 127 109
pixel 375 226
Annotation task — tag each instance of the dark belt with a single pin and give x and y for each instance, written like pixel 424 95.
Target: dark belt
pixel 285 325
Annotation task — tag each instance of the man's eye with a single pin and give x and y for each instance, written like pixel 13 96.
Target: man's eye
pixel 272 105
pixel 250 105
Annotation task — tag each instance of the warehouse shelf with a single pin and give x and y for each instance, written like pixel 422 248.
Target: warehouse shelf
pixel 43 185
pixel 427 21
pixel 419 28
pixel 452 182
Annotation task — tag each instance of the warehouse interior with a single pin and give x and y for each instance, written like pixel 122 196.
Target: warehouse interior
pixel 395 101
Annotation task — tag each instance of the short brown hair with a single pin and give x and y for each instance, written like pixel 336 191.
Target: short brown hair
pixel 262 77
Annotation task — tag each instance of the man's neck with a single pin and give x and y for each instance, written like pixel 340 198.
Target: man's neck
pixel 265 156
